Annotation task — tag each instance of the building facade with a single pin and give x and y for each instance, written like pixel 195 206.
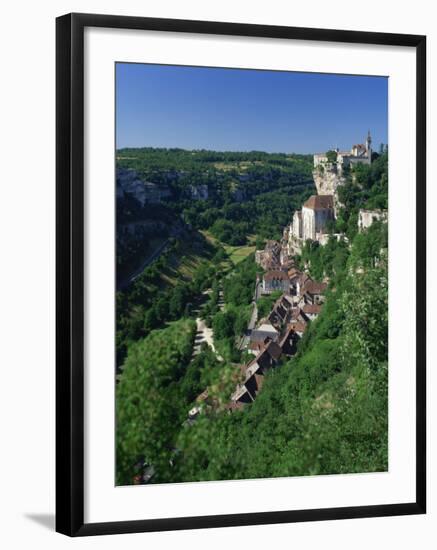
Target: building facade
pixel 367 217
pixel 360 153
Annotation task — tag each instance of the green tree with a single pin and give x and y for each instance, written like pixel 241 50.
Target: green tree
pixel 146 418
pixel 331 156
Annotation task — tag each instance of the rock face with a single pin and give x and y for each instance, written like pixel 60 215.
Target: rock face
pixel 144 192
pixel 199 192
pixel 327 181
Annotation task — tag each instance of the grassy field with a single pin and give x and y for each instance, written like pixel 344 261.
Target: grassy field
pixel 238 253
pixel 241 166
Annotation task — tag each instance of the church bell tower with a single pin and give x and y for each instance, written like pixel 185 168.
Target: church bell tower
pixel 369 147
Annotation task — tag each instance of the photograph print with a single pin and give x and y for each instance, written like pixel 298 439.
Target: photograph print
pixel 251 274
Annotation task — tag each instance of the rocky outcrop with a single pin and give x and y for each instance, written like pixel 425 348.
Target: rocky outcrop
pixel 128 181
pixel 327 181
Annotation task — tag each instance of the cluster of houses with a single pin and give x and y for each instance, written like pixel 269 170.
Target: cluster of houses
pixel 274 337
pixel 277 335
pixel 270 257
pixel 301 297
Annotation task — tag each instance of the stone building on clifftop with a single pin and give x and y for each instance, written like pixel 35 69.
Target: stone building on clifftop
pixel 360 153
pixel 311 223
pixel 328 174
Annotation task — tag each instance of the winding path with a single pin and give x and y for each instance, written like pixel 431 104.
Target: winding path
pixel 204 334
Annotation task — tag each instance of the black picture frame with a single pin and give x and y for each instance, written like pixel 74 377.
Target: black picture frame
pixel 70 273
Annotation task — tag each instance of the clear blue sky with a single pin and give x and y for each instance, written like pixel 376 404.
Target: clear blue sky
pixel 243 110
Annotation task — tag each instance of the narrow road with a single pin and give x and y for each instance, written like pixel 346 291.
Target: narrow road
pixel 257 295
pixel 204 334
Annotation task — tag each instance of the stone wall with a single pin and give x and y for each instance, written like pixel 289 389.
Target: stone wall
pixel 321 217
pixel 308 224
pixel 367 217
pixel 297 224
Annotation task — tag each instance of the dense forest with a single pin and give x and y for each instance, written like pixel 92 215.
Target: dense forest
pixel 324 410
pixel 247 193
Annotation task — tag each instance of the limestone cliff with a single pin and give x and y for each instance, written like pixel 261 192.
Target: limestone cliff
pixel 129 182
pixel 327 180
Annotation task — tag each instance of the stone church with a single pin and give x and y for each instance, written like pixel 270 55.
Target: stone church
pixel 310 222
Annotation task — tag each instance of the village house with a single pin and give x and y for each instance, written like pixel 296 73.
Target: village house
pixel 256 346
pixel 265 330
pixel 240 397
pixel 298 327
pixel 313 292
pixel 275 280
pixel 280 311
pixel 288 341
pixel 297 316
pixel 255 380
pixel 311 311
pixel 254 373
pixel 269 356
pixel 270 257
pixel 298 283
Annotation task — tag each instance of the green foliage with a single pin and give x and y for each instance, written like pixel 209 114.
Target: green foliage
pixel 366 187
pixel 369 245
pixel 223 324
pixel 152 300
pixel 265 303
pixel 323 412
pixel 228 232
pixel 331 156
pixel 146 417
pixel 201 372
pixel 325 261
pixel 239 286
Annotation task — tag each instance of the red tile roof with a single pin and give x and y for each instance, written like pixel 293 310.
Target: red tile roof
pixel 312 308
pixel 313 287
pixel 276 274
pixel 298 327
pixel 257 346
pixel 293 272
pixel 320 202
